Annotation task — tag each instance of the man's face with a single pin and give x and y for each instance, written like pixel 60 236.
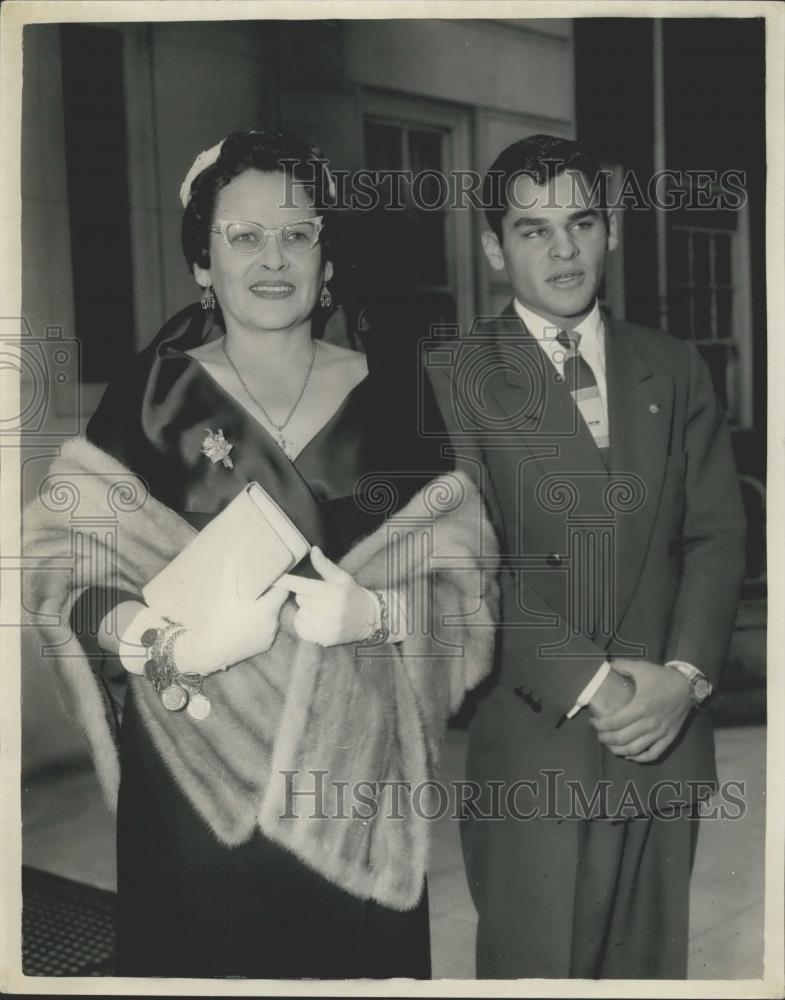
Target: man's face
pixel 553 247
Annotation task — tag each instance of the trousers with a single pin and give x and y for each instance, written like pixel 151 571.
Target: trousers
pixel 587 899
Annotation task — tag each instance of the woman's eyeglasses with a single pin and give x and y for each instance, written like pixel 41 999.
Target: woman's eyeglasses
pixel 249 237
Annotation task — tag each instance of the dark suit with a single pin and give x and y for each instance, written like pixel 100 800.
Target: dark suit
pixel 643 560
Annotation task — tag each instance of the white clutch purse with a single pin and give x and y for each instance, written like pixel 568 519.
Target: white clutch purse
pixel 254 531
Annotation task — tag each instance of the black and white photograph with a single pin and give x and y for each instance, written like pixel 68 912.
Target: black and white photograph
pixel 385 474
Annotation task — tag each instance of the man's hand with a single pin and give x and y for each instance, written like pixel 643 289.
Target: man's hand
pixel 614 693
pixel 643 729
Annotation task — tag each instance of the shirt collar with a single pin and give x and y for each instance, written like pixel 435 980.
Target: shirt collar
pixel 544 332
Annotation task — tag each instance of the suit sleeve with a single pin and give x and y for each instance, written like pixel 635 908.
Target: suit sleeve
pixel 554 681
pixel 712 540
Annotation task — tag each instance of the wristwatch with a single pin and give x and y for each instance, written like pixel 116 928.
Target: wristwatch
pixel 701 687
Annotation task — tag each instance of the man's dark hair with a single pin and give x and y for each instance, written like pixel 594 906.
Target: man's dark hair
pixel 540 157
pixel 241 151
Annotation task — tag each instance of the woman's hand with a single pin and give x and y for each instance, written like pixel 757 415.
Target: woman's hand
pixel 236 628
pixel 333 610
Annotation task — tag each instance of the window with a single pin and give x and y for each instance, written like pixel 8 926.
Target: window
pixel 429 244
pixel 701 291
pixel 708 300
pixel 415 150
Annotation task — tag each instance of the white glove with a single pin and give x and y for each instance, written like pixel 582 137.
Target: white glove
pixel 333 610
pixel 235 629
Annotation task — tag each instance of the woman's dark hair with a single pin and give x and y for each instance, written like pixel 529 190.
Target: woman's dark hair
pixel 266 151
pixel 540 157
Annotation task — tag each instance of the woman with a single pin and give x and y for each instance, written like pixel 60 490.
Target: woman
pixel 240 849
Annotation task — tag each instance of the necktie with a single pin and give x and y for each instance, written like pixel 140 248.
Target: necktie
pixel 580 380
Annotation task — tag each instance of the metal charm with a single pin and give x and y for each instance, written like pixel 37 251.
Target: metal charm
pixel 151 674
pixel 174 698
pixel 199 707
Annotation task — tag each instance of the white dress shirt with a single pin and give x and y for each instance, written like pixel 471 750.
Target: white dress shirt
pixel 592 343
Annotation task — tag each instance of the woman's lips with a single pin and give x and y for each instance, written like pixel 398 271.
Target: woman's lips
pixel 272 289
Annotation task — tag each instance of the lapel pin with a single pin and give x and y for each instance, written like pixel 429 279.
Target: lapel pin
pixel 654 407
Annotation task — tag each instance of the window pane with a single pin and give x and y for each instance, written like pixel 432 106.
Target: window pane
pixel 724 297
pixel 702 306
pixel 425 153
pixel 700 260
pixel 426 239
pixel 680 312
pixel 425 150
pixel 678 258
pixel 722 259
pixel 422 250
pixel 716 357
pixel 383 146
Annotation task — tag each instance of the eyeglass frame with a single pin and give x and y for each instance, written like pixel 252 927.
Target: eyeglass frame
pixel 220 226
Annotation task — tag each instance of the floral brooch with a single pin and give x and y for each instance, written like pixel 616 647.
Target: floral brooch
pixel 217 448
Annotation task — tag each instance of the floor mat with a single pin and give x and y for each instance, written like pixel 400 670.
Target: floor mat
pixel 67 927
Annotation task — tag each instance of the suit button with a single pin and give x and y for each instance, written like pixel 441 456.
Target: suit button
pixel 554 559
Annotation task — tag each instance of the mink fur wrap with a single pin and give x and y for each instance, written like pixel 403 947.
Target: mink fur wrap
pixel 299 718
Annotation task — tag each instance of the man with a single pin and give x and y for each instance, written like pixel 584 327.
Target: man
pixel 607 468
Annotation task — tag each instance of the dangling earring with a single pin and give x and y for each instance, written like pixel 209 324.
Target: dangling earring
pixel 325 299
pixel 208 299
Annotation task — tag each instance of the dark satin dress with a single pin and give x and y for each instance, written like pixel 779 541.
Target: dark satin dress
pixel 189 906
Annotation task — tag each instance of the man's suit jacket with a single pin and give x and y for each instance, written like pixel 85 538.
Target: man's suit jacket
pixel 655 545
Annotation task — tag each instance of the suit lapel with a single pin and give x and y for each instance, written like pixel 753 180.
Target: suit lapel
pixel 539 409
pixel 640 406
pixel 544 419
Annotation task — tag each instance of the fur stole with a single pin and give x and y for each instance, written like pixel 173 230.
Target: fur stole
pixel 331 752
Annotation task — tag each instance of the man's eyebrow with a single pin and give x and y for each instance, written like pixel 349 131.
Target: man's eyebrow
pixel 528 220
